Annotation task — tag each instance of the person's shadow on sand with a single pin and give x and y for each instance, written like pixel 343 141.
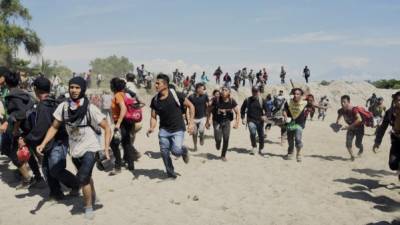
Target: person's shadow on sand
pixel 153 155
pixel 208 156
pixel 150 173
pixel 374 173
pixel 363 192
pixel 394 222
pixel 329 157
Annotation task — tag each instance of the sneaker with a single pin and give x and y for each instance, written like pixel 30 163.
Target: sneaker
pixel 89 213
pixel 253 151
pixel 288 156
pixel 136 156
pixel 352 158
pixel 223 158
pixel 201 141
pixel 299 158
pixel 260 151
pixel 25 184
pixel 172 175
pixel 186 158
pixel 195 148
pixel 359 154
pixel 116 171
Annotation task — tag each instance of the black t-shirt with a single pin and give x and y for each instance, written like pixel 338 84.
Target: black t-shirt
pixel 219 104
pixel 200 105
pixel 170 113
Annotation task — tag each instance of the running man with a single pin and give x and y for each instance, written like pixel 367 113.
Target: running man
pixel 168 104
pixel 253 109
pixel 224 110
pixel 200 101
pixel 355 126
pixel 392 118
pixel 83 122
pixel 295 115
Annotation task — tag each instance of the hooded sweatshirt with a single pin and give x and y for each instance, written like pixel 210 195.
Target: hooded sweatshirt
pixel 17 103
pixel 42 122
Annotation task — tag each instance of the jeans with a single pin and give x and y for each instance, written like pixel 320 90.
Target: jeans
pixel 54 169
pixel 199 129
pixel 256 128
pixel 126 128
pixel 171 142
pixel 394 156
pixel 221 132
pixel 85 165
pixel 294 137
pixel 358 133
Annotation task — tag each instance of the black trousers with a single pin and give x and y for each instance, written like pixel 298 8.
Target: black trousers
pixel 126 127
pixel 222 131
pixel 394 155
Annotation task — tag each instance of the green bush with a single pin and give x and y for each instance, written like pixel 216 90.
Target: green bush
pixel 387 84
pixel 325 83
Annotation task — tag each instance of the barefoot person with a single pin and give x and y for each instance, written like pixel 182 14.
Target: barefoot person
pixel 200 101
pixel 224 110
pixel 168 104
pixel 355 126
pixel 253 109
pixel 295 109
pixel 83 122
pixel 392 118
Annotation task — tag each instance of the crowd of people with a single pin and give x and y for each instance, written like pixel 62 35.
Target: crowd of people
pixel 40 129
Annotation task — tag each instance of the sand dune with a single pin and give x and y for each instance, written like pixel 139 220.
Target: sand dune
pixel 325 188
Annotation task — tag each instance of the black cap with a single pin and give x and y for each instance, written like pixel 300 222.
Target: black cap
pixel 4 71
pixel 42 84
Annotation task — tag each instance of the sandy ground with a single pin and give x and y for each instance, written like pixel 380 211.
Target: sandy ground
pixel 326 188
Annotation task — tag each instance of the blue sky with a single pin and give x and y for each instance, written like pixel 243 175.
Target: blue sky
pixel 341 39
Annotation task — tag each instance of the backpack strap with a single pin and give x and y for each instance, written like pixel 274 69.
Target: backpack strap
pixel 173 92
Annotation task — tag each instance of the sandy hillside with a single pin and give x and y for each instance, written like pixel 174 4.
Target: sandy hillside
pixel 325 188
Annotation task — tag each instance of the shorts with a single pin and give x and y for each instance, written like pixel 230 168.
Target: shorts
pixel 85 165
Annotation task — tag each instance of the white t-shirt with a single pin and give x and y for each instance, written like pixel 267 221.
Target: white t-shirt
pixel 131 86
pixel 82 139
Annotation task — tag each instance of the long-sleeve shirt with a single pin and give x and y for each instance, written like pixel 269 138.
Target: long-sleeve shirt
pixel 388 119
pixel 252 108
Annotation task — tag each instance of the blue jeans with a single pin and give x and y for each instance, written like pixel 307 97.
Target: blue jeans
pixel 171 142
pixel 54 169
pixel 294 138
pixel 255 128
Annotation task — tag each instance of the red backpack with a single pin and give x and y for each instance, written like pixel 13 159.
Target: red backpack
pixel 367 116
pixel 133 110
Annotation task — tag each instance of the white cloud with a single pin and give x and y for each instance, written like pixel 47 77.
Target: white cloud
pixel 324 37
pixel 311 37
pixel 375 42
pixel 351 62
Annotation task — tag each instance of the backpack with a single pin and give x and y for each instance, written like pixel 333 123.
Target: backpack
pixel 367 116
pixel 278 104
pixel 133 111
pixel 89 122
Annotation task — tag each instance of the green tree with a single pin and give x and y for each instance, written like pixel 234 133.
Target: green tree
pixel 13 35
pixel 112 65
pixel 50 68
